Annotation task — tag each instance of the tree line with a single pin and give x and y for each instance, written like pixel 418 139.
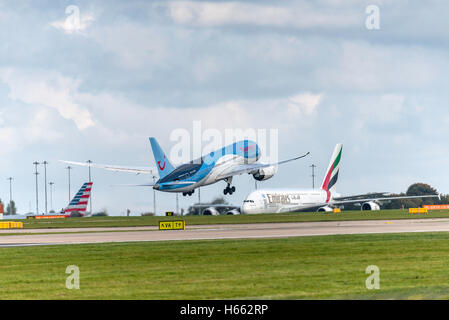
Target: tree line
pixel 11 209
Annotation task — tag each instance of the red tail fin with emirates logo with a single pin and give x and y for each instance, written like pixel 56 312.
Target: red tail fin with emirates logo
pixel 330 180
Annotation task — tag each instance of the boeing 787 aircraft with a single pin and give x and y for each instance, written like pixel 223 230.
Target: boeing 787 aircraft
pixel 324 199
pixel 223 164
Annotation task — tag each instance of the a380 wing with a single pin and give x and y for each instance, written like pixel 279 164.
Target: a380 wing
pixel 378 199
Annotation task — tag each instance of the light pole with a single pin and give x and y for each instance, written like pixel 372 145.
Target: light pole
pixel 154 196
pixel 90 180
pixel 45 181
pixel 313 175
pixel 37 197
pixel 68 169
pixel 51 194
pixel 10 194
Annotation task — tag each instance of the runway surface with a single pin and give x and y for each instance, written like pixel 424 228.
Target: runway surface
pixel 208 232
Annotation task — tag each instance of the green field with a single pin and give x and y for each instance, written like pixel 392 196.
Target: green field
pixel 260 218
pixel 326 267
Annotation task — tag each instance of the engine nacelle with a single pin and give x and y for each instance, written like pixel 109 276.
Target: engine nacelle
pixel 264 173
pixel 232 212
pixel 373 206
pixel 211 211
pixel 325 209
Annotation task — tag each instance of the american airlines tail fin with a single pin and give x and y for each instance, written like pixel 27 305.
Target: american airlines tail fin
pixel 163 164
pixel 330 180
pixel 80 200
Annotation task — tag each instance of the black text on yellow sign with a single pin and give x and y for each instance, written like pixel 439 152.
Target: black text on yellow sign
pixel 172 225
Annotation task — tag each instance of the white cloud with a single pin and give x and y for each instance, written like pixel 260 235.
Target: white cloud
pixel 114 112
pixel 383 109
pixel 75 22
pixel 48 89
pixel 20 128
pixel 8 140
pixel 136 45
pixel 360 65
pixel 304 103
pixel 236 13
pixel 205 68
pixel 372 111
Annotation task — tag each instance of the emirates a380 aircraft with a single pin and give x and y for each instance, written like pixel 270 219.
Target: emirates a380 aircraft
pixel 323 199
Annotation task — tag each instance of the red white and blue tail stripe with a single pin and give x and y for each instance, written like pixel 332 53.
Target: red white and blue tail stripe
pixel 80 200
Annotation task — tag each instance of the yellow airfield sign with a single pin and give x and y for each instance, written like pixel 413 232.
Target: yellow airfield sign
pixel 172 225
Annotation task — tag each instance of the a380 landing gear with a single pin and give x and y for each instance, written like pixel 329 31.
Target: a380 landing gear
pixel 188 193
pixel 229 190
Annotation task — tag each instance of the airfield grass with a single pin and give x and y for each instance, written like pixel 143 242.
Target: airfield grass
pixel 412 266
pixel 120 221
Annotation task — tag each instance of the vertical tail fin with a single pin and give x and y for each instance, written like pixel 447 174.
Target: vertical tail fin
pixel 163 164
pixel 330 180
pixel 80 200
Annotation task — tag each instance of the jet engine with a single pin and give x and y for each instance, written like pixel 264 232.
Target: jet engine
pixel 264 173
pixel 211 211
pixel 325 209
pixel 233 212
pixel 370 206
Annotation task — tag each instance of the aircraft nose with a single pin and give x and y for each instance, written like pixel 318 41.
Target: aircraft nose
pixel 246 208
pixel 156 187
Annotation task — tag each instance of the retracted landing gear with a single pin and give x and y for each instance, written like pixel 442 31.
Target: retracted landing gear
pixel 229 190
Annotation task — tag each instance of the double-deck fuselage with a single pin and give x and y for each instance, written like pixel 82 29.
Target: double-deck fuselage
pixel 283 200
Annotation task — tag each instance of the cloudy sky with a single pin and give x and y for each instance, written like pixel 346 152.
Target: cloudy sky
pixel 93 80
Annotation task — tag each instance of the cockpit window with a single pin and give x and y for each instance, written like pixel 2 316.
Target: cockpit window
pixel 251 201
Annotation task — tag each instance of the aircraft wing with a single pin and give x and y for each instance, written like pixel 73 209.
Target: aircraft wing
pixel 134 185
pixel 362 196
pixel 136 170
pixel 249 168
pixel 379 199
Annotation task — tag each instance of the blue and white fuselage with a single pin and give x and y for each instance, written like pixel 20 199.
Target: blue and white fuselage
pixel 208 169
pixel 223 164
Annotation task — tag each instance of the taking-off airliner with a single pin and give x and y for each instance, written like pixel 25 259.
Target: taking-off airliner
pixel 222 164
pixel 323 199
